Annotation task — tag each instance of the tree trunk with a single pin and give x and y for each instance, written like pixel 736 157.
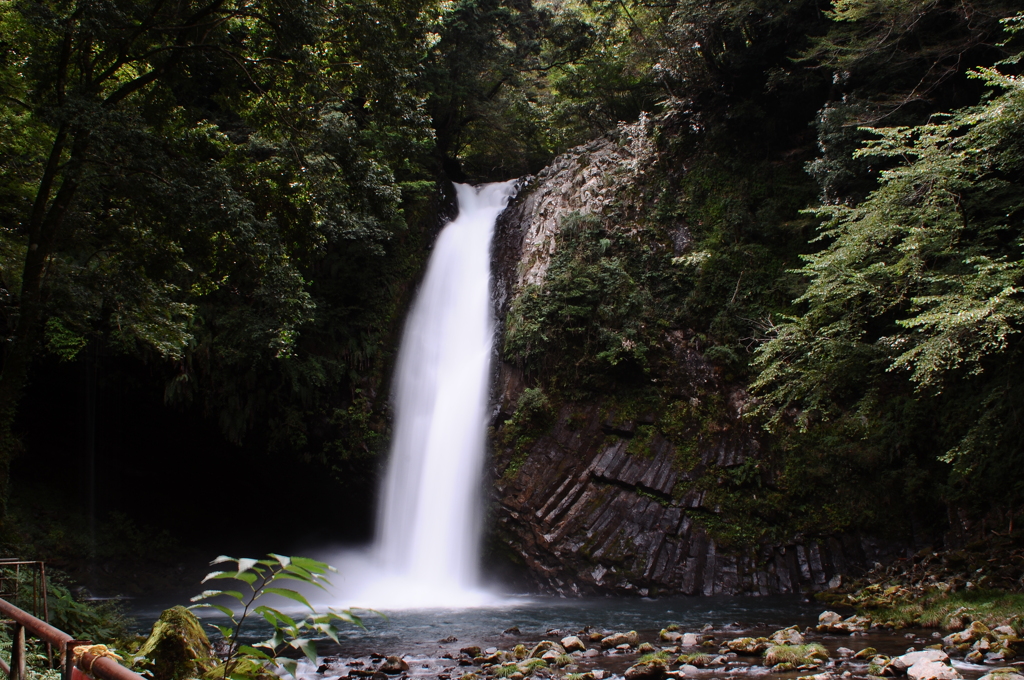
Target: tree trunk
pixel 44 226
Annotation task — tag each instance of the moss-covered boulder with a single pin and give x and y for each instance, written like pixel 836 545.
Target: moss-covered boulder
pixel 177 649
pixel 748 645
pixel 813 654
pixel 649 669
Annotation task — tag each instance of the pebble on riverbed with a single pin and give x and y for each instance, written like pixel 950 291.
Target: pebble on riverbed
pixel 674 654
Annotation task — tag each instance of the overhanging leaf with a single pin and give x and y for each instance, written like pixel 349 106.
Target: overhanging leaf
pixel 290 594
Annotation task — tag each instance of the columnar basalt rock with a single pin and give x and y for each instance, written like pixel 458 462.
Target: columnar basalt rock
pixel 581 507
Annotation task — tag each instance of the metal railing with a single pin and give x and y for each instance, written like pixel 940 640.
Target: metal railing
pixel 102 667
pixel 10 583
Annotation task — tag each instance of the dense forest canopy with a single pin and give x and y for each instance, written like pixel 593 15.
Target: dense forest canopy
pixel 240 195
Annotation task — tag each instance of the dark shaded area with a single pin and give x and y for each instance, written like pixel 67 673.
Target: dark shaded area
pixel 103 418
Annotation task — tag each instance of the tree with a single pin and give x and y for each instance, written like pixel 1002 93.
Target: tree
pixel 917 295
pixel 170 159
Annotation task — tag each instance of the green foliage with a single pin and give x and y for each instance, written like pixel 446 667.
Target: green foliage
pixel 796 654
pixel 37 664
pixel 915 295
pixel 176 649
pixel 505 670
pixel 533 414
pixel 596 305
pixel 257 579
pixel 952 610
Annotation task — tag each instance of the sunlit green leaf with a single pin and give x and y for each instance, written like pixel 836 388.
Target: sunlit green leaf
pixel 252 651
pixel 290 594
pixel 307 646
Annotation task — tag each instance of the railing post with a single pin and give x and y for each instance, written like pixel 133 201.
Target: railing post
pixel 69 657
pixel 18 653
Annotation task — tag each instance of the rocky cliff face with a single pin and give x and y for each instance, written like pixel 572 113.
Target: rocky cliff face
pixel 602 496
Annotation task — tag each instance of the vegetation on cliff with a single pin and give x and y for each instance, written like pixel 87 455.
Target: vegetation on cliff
pixel 847 200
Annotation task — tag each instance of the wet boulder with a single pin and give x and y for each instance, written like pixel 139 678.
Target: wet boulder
pixel 546 646
pixel 748 645
pixel 813 654
pixel 1003 674
pixel 671 636
pixel 973 633
pixel 831 622
pixel 690 640
pixel 573 644
pixel 653 669
pixel 177 648
pixel 787 636
pixel 615 639
pixel 393 665
pixel 932 670
pixel 900 664
pixel 699 660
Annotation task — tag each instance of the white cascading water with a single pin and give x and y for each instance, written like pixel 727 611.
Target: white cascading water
pixel 428 531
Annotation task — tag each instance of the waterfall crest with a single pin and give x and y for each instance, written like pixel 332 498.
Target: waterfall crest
pixel 428 528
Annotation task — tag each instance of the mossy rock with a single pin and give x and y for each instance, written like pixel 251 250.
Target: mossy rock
pixel 799 655
pixel 177 648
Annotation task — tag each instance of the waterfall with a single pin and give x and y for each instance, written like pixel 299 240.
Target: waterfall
pixel 428 527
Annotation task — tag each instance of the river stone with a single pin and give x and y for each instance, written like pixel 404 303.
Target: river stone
pixel 573 644
pixel 976 631
pixel 1002 674
pixel 599 674
pixel 615 639
pixel 932 670
pixel 830 622
pixel 394 665
pixel 828 618
pixel 591 653
pixel 655 669
pixel 550 656
pixel 902 663
pixel 687 669
pixel 471 652
pixel 546 646
pixel 690 640
pixel 177 648
pixel 788 636
pixel 670 635
pixel 747 645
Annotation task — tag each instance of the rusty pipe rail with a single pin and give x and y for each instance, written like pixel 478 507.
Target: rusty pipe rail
pixel 100 667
